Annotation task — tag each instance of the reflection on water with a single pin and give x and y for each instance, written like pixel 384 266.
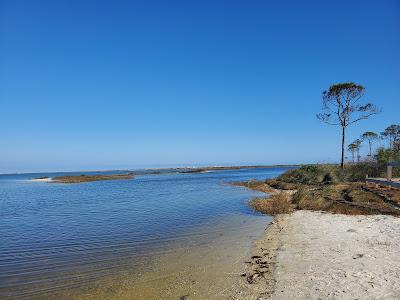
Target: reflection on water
pixel 58 238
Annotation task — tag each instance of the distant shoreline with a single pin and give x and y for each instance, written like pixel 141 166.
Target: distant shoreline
pixel 222 168
pixel 176 169
pixel 98 176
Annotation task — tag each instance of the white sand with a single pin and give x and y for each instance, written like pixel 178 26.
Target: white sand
pixel 41 179
pixel 327 256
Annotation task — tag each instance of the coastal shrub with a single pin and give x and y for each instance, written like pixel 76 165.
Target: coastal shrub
pixel 359 171
pixel 311 174
pixel 255 185
pixel 281 185
pixel 329 174
pixel 308 199
pixel 273 205
pixel 387 155
pixel 396 171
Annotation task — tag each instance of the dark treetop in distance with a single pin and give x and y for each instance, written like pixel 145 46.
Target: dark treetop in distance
pixel 392 133
pixel 370 137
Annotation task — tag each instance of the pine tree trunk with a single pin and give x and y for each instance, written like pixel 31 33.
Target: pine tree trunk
pixel 370 148
pixel 343 141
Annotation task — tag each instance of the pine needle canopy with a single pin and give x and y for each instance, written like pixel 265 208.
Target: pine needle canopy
pixel 341 107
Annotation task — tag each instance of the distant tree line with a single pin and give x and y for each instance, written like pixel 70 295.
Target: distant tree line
pixel 390 153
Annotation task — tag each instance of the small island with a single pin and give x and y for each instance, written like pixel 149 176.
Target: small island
pixel 88 178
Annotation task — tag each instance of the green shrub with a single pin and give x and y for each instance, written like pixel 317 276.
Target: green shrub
pixel 328 174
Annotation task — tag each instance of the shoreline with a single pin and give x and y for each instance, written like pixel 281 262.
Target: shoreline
pixel 310 254
pixel 348 257
pixel 44 179
pixel 210 266
pixel 301 255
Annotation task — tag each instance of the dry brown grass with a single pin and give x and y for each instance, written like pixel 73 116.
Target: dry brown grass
pixel 281 185
pixel 350 198
pixel 257 186
pixel 275 204
pixel 346 198
pixel 391 192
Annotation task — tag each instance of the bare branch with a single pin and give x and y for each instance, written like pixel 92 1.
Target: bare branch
pixel 363 117
pixel 326 118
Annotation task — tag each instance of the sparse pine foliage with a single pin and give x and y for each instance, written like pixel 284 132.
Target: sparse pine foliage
pixel 357 143
pixel 392 133
pixel 352 148
pixel 369 137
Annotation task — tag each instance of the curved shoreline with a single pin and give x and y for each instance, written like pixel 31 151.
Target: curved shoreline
pixel 312 254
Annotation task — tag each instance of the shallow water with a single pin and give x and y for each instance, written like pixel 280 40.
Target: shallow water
pixel 63 239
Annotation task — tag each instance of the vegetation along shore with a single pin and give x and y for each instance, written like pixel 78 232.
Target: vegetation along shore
pixel 333 236
pixel 335 230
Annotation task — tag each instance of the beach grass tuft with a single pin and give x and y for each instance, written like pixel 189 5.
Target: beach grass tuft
pixel 275 204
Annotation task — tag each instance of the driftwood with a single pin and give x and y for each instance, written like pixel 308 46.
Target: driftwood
pixel 383 196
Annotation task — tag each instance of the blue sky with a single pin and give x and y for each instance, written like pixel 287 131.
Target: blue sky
pixel 122 84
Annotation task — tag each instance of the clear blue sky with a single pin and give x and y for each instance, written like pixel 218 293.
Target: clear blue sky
pixel 122 84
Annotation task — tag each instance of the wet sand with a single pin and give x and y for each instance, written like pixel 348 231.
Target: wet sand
pixel 208 265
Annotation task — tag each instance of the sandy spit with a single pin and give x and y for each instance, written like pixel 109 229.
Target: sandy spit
pixel 316 255
pixel 48 179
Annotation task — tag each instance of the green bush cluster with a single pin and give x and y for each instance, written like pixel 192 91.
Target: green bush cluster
pixel 325 174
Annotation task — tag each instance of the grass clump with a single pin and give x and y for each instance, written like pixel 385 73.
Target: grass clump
pixel 281 185
pixel 255 185
pixel 276 204
pixel 313 175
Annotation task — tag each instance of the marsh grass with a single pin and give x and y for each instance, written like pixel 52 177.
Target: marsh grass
pixel 325 188
pixel 88 178
pixel 345 198
pixel 273 205
pixel 255 185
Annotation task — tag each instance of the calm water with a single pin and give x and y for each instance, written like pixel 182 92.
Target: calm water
pixel 56 237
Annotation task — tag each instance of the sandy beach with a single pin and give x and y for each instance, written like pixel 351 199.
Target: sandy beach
pixel 45 179
pixel 316 255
